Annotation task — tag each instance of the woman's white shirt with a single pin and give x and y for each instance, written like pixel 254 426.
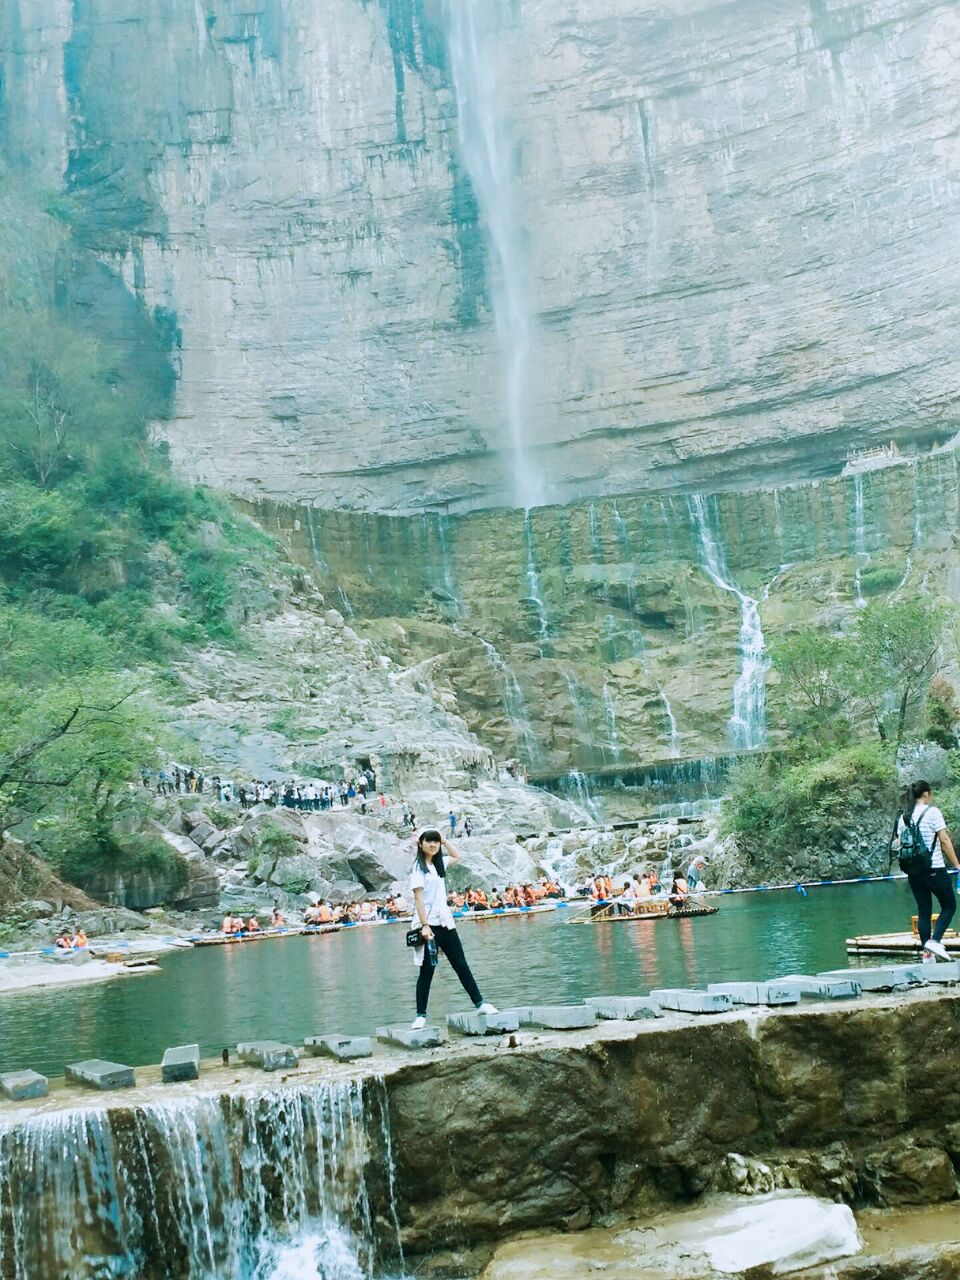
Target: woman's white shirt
pixel 930 825
pixel 434 897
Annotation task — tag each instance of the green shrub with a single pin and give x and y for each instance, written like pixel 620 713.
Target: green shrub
pixel 791 807
pixel 275 841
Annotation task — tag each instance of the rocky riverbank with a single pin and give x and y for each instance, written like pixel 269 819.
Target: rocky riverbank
pixel 565 1131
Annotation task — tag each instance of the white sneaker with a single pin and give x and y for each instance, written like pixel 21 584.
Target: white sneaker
pixel 418 1024
pixel 487 1007
pixel 937 949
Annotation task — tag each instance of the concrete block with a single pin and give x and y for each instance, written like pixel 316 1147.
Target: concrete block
pixel 428 1038
pixel 820 988
pixel 268 1055
pixel 684 1001
pixel 18 1086
pixel 182 1062
pixel 483 1024
pixel 626 1008
pixel 941 971
pixel 756 993
pixel 99 1074
pixel 893 977
pixel 343 1048
pixel 557 1017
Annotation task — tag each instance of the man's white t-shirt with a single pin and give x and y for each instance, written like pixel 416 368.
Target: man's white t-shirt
pixel 931 822
pixel 434 897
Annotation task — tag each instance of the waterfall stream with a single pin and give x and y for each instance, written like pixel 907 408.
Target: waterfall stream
pixel 514 704
pixel 533 585
pixel 486 148
pixel 253 1186
pixel 748 721
pixel 675 740
pixel 859 538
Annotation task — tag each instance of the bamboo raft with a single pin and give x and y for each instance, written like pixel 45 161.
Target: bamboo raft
pixel 656 911
pixel 898 944
pixel 222 939
pixel 296 931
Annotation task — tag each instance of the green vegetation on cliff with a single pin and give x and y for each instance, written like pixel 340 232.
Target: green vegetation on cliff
pixel 108 563
pixel 849 702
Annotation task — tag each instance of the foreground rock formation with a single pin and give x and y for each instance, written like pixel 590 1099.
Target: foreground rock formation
pixel 595 1127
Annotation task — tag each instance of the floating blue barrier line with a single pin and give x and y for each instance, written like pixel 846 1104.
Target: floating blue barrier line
pixel 807 884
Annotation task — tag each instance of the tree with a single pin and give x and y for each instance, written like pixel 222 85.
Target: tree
pixel 897 651
pixel 943 715
pixel 816 682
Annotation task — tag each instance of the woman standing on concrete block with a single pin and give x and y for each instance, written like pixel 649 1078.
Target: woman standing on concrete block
pixel 438 931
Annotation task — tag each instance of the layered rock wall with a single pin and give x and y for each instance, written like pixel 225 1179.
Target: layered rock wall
pixel 592 636
pixel 737 225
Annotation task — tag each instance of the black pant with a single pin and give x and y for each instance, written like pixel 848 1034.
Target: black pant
pixel 448 940
pixel 925 886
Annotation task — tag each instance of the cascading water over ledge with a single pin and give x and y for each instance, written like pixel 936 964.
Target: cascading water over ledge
pixel 254 1186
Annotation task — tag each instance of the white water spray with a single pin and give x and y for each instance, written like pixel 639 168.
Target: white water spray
pixel 486 149
pixel 748 722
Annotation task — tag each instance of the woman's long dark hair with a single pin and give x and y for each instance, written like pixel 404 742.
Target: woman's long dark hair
pixel 430 834
pixel 911 796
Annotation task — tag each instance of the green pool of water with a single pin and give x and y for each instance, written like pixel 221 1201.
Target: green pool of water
pixel 353 981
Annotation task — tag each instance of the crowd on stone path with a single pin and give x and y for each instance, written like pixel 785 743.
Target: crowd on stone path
pixel 359 793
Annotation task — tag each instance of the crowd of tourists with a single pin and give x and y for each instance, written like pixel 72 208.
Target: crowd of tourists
pixel 357 792
pixel 677 888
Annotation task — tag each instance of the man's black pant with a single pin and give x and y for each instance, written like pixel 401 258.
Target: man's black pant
pixel 926 886
pixel 448 940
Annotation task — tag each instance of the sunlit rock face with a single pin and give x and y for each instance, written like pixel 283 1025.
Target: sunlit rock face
pixel 736 221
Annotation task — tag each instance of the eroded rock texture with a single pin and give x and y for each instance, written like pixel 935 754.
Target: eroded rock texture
pixel 738 227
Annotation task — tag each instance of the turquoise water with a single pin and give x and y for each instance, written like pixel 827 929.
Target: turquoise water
pixel 353 981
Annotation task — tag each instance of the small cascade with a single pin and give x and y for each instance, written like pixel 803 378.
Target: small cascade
pixel 778 523
pixel 487 152
pixel 638 649
pixel 675 740
pixel 533 586
pixel 581 718
pixel 748 722
pixel 312 518
pixel 859 538
pixel 576 787
pixel 557 865
pixel 596 548
pixel 345 602
pixel 514 704
pixel 252 1186
pixel 613 733
pixel 917 508
pixel 447 577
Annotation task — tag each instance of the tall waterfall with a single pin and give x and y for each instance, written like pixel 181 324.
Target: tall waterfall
pixel 748 722
pixel 487 154
pixel 290 1183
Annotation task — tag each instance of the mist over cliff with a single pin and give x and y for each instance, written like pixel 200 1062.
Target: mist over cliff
pixel 735 226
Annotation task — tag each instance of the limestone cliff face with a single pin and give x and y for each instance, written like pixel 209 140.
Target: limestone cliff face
pixel 737 226
pixel 592 636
